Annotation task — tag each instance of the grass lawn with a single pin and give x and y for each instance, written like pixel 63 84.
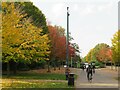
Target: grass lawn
pixel 47 76
pixel 36 75
pixel 34 84
pixel 35 80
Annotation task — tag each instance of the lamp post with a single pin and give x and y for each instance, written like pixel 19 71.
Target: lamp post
pixel 67 40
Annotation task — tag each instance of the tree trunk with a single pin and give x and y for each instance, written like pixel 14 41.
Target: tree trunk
pixel 59 67
pixel 48 66
pixel 54 63
pixel 8 69
pixel 111 66
pixel 15 68
pixel 54 67
pixel 105 64
pixel 60 62
pixel 115 66
pixel 71 62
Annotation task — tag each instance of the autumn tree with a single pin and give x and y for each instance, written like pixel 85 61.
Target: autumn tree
pixel 89 56
pixel 97 49
pixel 53 37
pixel 116 48
pixel 58 44
pixel 38 18
pixel 21 41
pixel 72 54
pixel 105 54
pixel 100 53
pixel 61 50
pixel 11 37
pixel 71 51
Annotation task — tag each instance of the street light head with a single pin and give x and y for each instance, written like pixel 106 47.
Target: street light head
pixel 67 8
pixel 68 11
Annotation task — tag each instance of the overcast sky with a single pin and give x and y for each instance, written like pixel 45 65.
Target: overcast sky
pixel 90 22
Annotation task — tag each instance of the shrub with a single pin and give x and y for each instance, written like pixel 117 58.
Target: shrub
pixel 100 64
pixel 42 63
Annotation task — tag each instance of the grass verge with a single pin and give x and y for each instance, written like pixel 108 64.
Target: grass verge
pixel 47 76
pixel 41 84
pixel 35 80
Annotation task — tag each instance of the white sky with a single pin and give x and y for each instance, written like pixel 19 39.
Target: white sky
pixel 90 22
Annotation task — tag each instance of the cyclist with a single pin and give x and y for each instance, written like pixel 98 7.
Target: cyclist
pixel 89 72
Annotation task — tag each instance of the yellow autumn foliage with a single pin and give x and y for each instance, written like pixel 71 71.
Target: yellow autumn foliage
pixel 20 39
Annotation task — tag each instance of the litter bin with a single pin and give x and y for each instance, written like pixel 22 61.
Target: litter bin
pixel 71 79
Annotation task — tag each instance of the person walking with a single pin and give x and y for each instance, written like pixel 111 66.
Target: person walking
pixel 83 67
pixel 89 73
pixel 93 67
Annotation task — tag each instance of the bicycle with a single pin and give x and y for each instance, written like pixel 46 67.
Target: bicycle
pixel 90 78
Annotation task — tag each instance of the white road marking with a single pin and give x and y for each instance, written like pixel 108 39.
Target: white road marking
pixel 98 84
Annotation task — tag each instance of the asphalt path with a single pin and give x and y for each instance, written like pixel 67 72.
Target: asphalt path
pixel 103 78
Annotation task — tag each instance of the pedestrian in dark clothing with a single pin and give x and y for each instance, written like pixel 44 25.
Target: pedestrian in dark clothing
pixel 93 67
pixel 89 72
pixel 83 67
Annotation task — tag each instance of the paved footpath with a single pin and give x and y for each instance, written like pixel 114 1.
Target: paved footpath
pixel 103 78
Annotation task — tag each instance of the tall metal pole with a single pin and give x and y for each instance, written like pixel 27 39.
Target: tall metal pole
pixel 67 41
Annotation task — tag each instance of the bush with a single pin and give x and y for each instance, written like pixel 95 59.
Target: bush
pixel 97 67
pixel 102 65
pixel 99 64
pixel 42 64
pixel 23 67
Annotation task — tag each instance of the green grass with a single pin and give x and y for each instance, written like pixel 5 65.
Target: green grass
pixel 117 78
pixel 47 76
pixel 21 80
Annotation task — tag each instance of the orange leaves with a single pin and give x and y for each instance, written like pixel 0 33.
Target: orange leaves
pixel 58 42
pixel 71 51
pixel 61 47
pixel 105 54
